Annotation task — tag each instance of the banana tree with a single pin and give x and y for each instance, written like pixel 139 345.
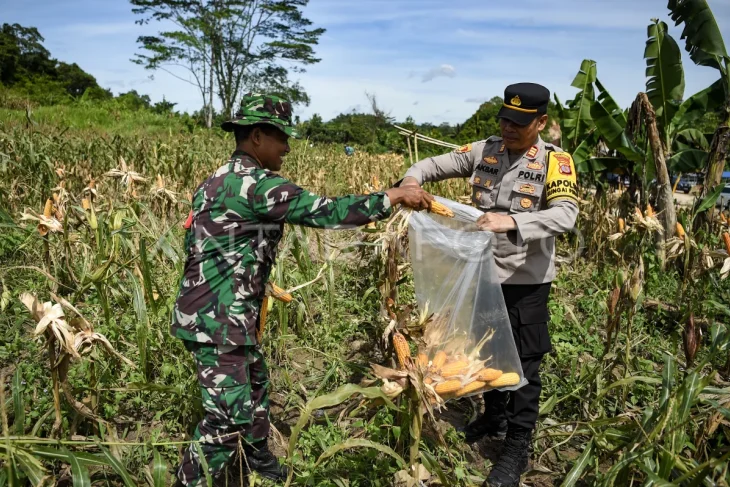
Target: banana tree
pixel 681 148
pixel 706 47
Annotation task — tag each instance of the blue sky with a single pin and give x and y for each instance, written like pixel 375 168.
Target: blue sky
pixel 430 59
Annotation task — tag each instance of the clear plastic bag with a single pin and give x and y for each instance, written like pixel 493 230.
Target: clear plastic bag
pixel 467 346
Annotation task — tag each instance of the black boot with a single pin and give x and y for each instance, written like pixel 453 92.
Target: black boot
pixel 493 423
pixel 260 459
pixel 512 461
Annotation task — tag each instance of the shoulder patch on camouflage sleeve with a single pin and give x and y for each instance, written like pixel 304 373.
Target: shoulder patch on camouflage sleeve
pixel 561 182
pixel 463 149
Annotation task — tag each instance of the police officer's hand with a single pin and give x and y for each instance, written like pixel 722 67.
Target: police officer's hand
pixel 409 181
pixel 411 196
pixel 496 223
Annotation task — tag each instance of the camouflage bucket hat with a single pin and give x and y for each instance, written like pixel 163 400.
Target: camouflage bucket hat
pixel 258 108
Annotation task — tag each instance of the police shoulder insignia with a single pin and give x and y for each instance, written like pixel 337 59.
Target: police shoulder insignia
pixel 478 195
pixel 525 203
pixel 532 153
pixel 501 148
pixel 491 160
pixel 535 166
pixel 527 188
pixel 464 148
pixel 477 180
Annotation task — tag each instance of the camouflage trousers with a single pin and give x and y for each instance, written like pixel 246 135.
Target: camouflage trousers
pixel 234 382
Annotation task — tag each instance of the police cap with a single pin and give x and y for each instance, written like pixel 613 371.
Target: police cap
pixel 523 102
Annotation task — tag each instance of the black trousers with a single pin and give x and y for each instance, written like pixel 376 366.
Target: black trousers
pixel 527 305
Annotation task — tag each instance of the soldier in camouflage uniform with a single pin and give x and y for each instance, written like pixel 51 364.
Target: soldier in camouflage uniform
pixel 236 222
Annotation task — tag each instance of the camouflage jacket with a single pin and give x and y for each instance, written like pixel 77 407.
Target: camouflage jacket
pixel 238 220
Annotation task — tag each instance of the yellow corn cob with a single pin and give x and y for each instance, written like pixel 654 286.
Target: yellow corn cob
pixel 680 230
pixel 508 379
pixel 439 360
pixel 726 238
pixel 456 367
pixel 488 375
pixel 649 210
pixel 48 208
pixel 280 294
pixel 470 387
pixel 723 219
pixel 85 204
pixel 262 324
pixel 621 225
pixel 447 387
pixel 402 350
pixel 440 209
pixel 375 183
pixel 422 359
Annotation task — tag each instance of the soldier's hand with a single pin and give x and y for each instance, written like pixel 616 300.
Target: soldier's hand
pixel 496 223
pixel 411 196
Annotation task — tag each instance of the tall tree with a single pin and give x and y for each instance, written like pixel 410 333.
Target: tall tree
pixel 22 54
pixel 231 46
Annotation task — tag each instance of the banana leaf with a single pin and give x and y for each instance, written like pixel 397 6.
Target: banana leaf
pixel 688 161
pixel 577 120
pixel 704 41
pixel 695 107
pixel 691 139
pixel 665 76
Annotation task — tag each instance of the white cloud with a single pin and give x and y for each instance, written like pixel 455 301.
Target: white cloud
pixel 100 29
pixel 445 70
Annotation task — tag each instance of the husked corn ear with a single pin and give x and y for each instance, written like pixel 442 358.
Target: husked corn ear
pixel 508 379
pixel 402 351
pixel 280 294
pixel 456 367
pixel 439 360
pixel 649 210
pixel 723 219
pixel 680 230
pixel 470 387
pixel 621 225
pixel 422 359
pixel 441 209
pixel 85 204
pixel 48 208
pixel 447 387
pixel 262 319
pixel 726 238
pixel 488 375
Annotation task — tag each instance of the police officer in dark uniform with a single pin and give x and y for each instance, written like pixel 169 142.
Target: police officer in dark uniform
pixel 527 189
